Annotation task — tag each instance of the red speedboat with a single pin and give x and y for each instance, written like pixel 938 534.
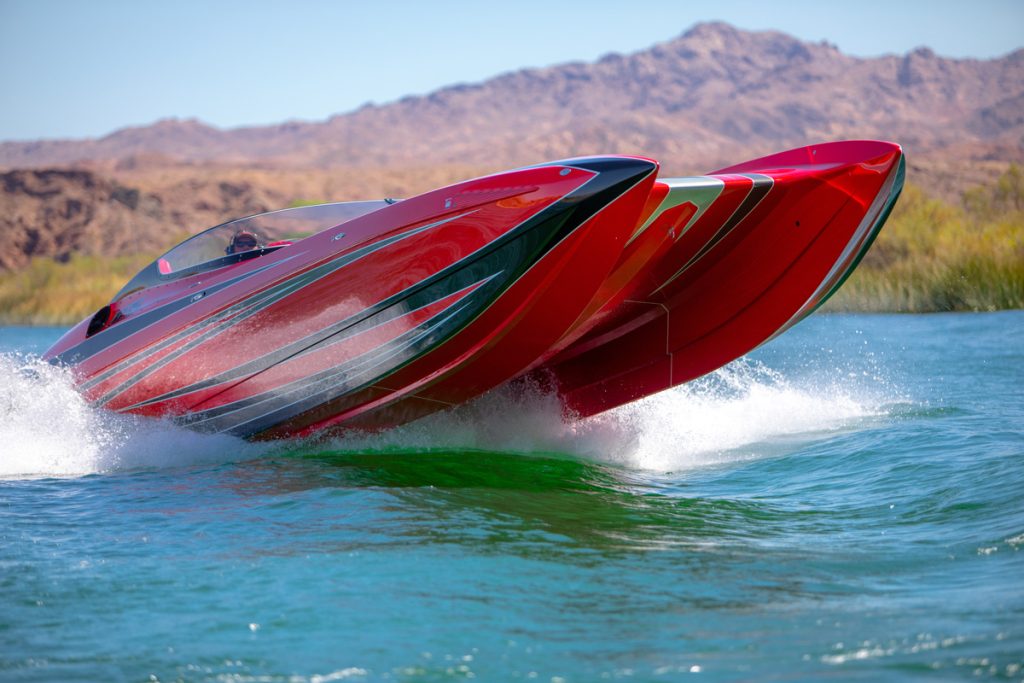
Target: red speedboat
pixel 592 275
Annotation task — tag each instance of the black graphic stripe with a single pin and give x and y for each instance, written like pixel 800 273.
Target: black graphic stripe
pixel 148 351
pixel 337 333
pixel 257 413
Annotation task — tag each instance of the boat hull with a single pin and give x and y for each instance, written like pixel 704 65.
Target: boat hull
pixel 323 330
pixel 589 275
pixel 736 258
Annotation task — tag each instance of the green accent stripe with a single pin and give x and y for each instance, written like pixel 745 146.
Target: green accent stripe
pixel 701 190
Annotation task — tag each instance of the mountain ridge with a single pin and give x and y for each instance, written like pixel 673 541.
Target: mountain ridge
pixel 710 95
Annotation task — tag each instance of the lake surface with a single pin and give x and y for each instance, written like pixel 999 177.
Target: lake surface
pixel 846 503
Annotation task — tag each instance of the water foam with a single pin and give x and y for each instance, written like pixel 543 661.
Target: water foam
pixel 744 410
pixel 48 429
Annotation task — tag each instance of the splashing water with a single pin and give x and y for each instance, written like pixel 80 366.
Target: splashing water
pixel 48 429
pixel 742 411
pixel 733 413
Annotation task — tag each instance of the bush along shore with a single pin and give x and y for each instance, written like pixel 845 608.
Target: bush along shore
pixel 49 292
pixel 932 255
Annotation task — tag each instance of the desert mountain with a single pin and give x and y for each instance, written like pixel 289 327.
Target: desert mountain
pixel 710 96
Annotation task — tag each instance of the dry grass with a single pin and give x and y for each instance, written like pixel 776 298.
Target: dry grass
pixel 934 255
pixel 53 293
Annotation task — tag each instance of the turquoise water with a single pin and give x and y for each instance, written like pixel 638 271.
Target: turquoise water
pixel 847 503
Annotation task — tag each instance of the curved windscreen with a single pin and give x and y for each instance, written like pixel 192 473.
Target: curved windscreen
pixel 249 237
pixel 262 231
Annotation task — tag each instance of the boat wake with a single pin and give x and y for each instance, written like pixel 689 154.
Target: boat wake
pixel 742 411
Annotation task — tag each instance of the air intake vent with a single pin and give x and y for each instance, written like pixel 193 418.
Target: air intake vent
pixel 99 321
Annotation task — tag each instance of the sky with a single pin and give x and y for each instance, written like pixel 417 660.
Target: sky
pixel 85 68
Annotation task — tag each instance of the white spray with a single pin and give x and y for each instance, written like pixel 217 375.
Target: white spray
pixel 738 412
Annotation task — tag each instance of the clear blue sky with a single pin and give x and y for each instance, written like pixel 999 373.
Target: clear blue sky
pixel 83 68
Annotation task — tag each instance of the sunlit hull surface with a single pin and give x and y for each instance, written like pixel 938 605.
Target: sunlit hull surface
pixel 591 276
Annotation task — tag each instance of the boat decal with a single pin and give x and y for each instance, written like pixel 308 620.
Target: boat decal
pixel 133 325
pixel 148 351
pixel 358 377
pixel 605 197
pixel 230 318
pixel 331 335
pixel 702 191
pixel 244 309
pixel 254 414
pixel 759 189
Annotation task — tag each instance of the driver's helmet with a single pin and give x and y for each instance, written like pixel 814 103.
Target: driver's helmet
pixel 243 240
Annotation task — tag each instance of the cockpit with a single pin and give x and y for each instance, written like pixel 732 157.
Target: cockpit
pixel 247 238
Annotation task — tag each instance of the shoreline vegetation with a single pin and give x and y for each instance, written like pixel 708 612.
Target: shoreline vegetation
pixel 933 255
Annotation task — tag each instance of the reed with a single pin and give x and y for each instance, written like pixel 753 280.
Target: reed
pixel 934 255
pixel 48 292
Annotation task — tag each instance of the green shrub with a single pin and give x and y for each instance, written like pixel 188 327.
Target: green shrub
pixel 935 255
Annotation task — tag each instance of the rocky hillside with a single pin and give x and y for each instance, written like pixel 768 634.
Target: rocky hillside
pixel 58 212
pixel 712 95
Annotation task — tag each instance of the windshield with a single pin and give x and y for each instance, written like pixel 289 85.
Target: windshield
pixel 265 230
pixel 247 238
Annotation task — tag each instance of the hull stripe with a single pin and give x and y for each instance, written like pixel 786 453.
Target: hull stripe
pixel 247 308
pixel 342 331
pixel 122 330
pixel 762 185
pixel 256 413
